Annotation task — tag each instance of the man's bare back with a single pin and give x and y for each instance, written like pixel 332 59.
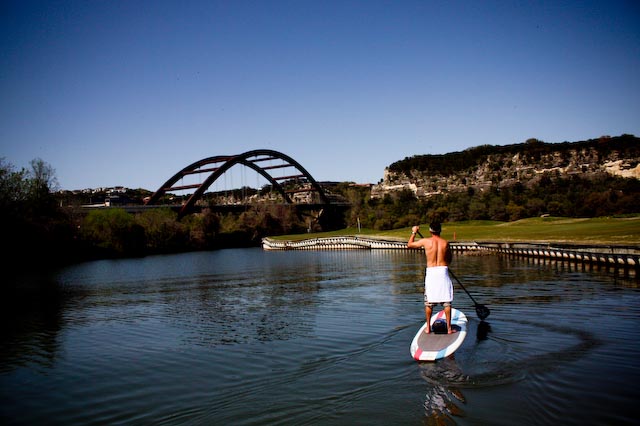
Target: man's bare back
pixel 436 249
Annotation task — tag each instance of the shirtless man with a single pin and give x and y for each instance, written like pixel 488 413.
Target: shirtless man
pixel 438 288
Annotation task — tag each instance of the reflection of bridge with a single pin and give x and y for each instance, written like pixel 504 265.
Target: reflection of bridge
pixel 264 161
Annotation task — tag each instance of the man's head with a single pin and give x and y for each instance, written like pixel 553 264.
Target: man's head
pixel 435 228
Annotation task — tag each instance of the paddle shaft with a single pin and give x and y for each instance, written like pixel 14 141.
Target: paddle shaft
pixel 465 290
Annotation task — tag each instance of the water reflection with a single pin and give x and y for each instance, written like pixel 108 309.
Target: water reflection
pixel 484 328
pixel 31 316
pixel 444 399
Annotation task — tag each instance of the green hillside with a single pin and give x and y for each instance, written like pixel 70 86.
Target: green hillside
pixel 601 231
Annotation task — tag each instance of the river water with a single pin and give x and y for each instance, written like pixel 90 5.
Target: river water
pixel 248 337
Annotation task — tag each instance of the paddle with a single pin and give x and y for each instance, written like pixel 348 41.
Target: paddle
pixel 481 310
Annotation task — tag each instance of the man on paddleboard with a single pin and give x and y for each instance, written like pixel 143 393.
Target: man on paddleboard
pixel 438 288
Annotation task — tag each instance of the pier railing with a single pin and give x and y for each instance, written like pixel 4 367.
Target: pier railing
pixel 620 256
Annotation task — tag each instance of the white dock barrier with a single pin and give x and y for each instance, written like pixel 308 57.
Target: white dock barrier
pixel 603 255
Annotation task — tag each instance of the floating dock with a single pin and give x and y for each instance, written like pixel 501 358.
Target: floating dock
pixel 619 256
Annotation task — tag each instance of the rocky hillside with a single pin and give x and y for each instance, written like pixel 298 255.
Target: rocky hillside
pixel 485 166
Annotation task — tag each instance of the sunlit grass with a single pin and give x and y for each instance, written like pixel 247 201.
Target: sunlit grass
pixel 603 230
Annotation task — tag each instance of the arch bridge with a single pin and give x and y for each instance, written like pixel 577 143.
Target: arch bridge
pixel 264 161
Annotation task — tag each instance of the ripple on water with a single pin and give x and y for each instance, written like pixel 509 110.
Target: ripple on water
pixel 499 352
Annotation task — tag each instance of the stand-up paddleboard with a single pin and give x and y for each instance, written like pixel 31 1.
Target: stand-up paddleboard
pixel 436 345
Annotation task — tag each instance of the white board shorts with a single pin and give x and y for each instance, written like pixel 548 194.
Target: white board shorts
pixel 438 287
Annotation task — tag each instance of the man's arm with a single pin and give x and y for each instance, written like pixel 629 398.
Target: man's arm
pixel 412 243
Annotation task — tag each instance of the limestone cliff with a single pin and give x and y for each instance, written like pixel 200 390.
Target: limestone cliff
pixel 482 167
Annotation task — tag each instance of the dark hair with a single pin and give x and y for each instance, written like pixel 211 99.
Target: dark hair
pixel 435 228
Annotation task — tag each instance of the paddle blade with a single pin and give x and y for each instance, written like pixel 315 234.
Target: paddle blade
pixel 482 311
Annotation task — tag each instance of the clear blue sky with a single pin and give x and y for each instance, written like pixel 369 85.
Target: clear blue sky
pixel 129 92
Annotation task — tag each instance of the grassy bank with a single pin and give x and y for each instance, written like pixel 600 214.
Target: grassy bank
pixel 605 230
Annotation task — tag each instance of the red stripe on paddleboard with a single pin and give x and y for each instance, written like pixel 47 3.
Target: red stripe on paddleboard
pixel 417 354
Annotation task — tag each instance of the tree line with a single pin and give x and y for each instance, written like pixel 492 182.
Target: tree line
pixel 531 151
pixel 50 227
pixel 44 225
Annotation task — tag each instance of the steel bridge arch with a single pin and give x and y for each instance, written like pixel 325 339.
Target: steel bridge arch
pixel 246 159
